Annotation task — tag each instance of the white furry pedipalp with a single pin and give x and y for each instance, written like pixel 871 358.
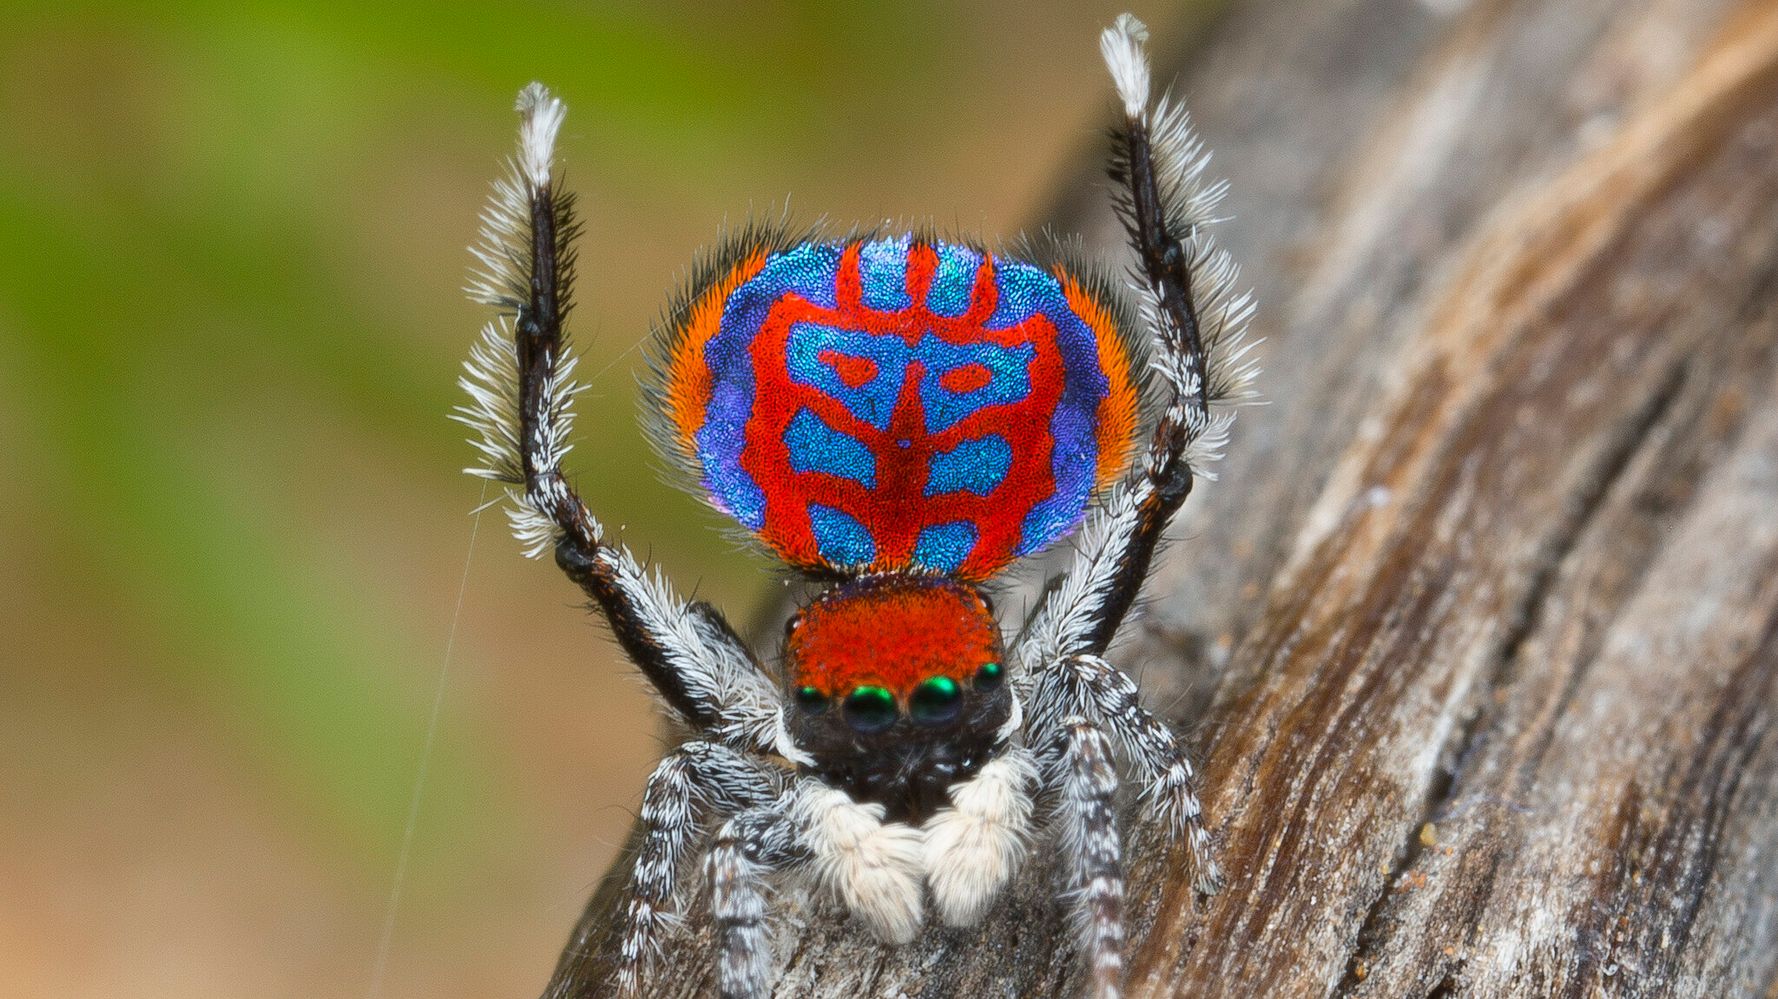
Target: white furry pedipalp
pixel 973 846
pixel 874 867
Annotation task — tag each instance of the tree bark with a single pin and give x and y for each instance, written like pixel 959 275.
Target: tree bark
pixel 1479 629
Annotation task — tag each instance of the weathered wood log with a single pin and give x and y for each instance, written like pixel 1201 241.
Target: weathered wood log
pixel 1480 627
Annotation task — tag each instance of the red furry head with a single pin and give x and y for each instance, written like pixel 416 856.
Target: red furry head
pixel 898 682
pixel 892 633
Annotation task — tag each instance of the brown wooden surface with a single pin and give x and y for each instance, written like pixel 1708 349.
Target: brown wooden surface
pixel 1479 631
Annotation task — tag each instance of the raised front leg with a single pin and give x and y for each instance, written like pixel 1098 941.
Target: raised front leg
pixel 520 381
pixel 1195 320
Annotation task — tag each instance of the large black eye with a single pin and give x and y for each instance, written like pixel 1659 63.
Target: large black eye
pixel 989 676
pixel 870 709
pixel 936 701
pixel 811 699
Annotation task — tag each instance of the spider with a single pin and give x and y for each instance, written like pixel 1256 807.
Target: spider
pixel 897 418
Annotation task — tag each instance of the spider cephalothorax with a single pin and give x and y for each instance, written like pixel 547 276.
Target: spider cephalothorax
pixel 899 418
pixel 900 688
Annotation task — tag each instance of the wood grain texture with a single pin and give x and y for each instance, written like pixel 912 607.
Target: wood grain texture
pixel 1479 631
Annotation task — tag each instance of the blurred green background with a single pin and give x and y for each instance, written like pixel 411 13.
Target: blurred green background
pixel 232 526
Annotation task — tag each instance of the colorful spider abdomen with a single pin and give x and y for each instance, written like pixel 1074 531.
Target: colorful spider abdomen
pixel 899 404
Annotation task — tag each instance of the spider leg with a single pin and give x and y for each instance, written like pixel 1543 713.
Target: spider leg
pixel 1089 686
pixel 697 779
pixel 1195 321
pixel 1083 770
pixel 520 382
pixel 750 845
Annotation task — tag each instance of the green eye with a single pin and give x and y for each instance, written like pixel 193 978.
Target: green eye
pixel 810 699
pixel 988 677
pixel 936 701
pixel 870 709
